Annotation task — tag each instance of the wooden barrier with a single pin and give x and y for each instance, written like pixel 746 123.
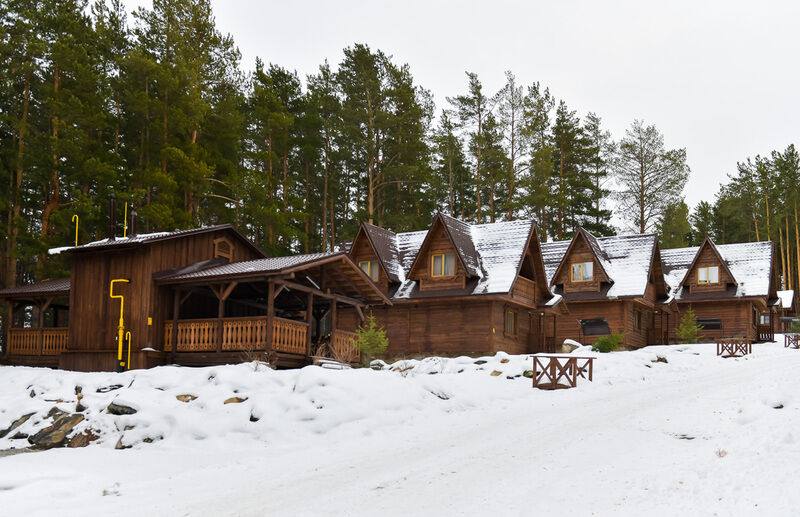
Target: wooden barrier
pixel 345 346
pixel 791 340
pixel 550 370
pixel 734 347
pixel 26 341
pixel 238 334
pixel 525 288
pixel 765 333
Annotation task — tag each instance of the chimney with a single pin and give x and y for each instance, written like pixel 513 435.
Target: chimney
pixel 132 231
pixel 112 217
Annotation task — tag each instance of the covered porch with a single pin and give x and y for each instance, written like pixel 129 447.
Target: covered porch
pixel 283 310
pixel 38 324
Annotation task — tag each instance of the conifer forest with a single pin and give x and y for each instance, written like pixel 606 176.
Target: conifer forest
pixel 157 108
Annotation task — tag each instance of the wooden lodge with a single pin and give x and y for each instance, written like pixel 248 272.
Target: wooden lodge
pixel 785 315
pixel 729 287
pixel 209 296
pixel 194 297
pixel 610 284
pixel 458 288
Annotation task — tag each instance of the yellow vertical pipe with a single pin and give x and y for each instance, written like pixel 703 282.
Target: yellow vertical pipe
pixel 121 326
pixel 75 220
pixel 128 339
pixel 125 222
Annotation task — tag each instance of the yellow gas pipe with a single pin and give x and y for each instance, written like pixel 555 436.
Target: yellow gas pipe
pixel 75 220
pixel 128 339
pixel 125 222
pixel 121 326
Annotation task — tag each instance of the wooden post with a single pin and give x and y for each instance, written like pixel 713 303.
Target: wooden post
pixel 220 316
pixel 42 308
pixel 9 326
pixel 333 318
pixel 310 321
pixel 270 314
pixel 176 304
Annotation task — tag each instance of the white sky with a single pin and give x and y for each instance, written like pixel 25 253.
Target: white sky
pixel 719 78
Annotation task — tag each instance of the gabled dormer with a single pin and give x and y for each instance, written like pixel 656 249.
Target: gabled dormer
pixel 583 267
pixel 657 288
pixel 447 256
pixel 531 280
pixel 708 271
pixel 375 252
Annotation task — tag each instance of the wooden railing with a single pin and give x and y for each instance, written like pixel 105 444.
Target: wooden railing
pixel 345 346
pixel 238 334
pixel 525 288
pixel 791 340
pixel 765 333
pixel 26 341
pixel 551 372
pixel 289 336
pixel 734 347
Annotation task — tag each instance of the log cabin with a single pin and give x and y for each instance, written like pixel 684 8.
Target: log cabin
pixel 728 286
pixel 458 288
pixel 194 297
pixel 610 284
pixel 786 311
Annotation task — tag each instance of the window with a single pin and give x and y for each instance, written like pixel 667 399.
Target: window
pixel 443 264
pixel 370 267
pixel 223 249
pixel 637 320
pixel 582 271
pixel 511 323
pixel 710 323
pixel 764 319
pixel 708 275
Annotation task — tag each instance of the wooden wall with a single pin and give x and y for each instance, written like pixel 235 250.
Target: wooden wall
pixel 580 252
pixel 94 316
pixel 362 250
pixel 736 316
pixel 707 257
pixel 437 241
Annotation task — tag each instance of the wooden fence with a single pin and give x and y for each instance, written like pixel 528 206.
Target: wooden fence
pixel 550 370
pixel 26 341
pixel 765 333
pixel 791 340
pixel 238 334
pixel 345 346
pixel 734 347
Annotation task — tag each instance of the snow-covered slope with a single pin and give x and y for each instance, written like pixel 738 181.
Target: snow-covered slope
pixel 697 435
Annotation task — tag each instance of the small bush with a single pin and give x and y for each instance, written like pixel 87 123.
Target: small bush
pixel 608 343
pixel 688 330
pixel 795 328
pixel 372 340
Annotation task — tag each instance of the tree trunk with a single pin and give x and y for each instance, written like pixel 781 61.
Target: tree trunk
pixel 641 199
pixel 10 276
pixel 788 257
pixel 308 210
pixel 51 196
pixel 784 280
pixel 797 242
pixel 325 196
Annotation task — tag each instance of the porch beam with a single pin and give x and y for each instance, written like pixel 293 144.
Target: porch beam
pixel 309 322
pixel 321 294
pixel 176 304
pixel 270 313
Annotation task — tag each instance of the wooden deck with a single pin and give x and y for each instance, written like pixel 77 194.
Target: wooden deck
pixel 37 341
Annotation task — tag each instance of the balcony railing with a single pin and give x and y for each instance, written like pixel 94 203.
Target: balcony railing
pixel 36 341
pixel 238 334
pixel 525 288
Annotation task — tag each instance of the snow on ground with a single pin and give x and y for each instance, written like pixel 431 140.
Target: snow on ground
pixel 697 435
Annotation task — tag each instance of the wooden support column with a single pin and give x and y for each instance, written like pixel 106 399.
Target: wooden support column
pixel 333 318
pixel 8 327
pixel 270 314
pixel 310 321
pixel 176 304
pixel 222 295
pixel 42 309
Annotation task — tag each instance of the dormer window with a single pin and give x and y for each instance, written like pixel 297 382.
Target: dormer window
pixel 583 271
pixel 443 264
pixel 370 267
pixel 708 275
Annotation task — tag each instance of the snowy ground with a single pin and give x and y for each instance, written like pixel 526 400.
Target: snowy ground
pixel 698 435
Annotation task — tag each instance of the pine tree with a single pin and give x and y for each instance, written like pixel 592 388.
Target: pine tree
pixel 702 221
pixel 601 151
pixel 538 105
pixel 651 177
pixel 673 227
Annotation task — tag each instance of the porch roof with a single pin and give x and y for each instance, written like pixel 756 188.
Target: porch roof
pixel 315 269
pixel 43 289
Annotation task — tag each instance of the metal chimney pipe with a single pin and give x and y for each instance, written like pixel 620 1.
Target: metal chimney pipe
pixel 112 217
pixel 132 231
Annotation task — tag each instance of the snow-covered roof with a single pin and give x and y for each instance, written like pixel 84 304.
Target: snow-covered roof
pixel 750 263
pixel 786 297
pixel 491 252
pixel 626 260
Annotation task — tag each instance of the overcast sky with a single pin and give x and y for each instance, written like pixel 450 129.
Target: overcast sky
pixel 718 78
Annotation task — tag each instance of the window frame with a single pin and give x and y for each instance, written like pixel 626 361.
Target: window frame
pixel 513 314
pixel 581 264
pixel 444 262
pixel 369 263
pixel 707 270
pixel 637 319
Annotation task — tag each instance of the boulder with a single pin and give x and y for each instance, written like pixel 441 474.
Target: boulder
pixel 495 373
pixel 568 346
pixel 235 400
pixel 659 359
pixel 55 413
pixel 528 374
pixel 186 397
pixel 83 439
pixel 16 423
pixel 116 408
pixel 56 434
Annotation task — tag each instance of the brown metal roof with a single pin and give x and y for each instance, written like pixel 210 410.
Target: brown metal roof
pixel 384 242
pixel 264 266
pixel 45 288
pixel 148 238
